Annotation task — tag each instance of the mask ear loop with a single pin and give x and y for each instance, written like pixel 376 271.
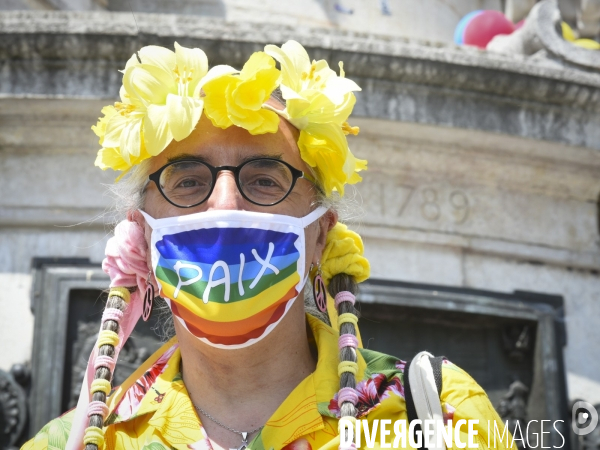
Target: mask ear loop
pixel 149 219
pixel 312 216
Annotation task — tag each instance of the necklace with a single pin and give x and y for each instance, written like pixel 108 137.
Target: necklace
pixel 243 434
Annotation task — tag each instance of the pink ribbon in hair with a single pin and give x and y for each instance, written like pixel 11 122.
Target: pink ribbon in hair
pixel 127 266
pixel 125 260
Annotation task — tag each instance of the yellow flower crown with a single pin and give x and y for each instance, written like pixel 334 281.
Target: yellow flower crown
pixel 164 94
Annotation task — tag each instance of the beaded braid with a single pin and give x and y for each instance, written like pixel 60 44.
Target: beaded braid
pixel 343 288
pixel 104 365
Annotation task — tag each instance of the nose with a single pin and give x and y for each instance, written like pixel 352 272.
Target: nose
pixel 225 194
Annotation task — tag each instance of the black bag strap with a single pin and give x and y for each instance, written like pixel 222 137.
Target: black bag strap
pixel 411 410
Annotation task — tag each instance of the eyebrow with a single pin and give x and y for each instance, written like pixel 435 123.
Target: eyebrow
pixel 203 159
pixel 186 156
pixel 262 155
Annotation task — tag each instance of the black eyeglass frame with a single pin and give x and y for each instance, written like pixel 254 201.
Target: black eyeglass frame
pixel 296 174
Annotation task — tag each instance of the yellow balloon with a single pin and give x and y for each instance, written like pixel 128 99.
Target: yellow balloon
pixel 590 44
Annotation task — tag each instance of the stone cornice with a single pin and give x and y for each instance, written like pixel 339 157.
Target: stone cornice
pixel 78 54
pixel 145 26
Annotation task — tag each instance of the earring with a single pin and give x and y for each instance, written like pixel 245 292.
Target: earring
pixel 148 298
pixel 319 293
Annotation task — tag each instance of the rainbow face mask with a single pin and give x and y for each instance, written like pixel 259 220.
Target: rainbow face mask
pixel 230 277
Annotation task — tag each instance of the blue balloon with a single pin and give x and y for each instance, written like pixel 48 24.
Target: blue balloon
pixel 459 32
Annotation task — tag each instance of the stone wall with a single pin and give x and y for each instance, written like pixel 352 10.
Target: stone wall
pixel 483 169
pixel 488 211
pixel 431 20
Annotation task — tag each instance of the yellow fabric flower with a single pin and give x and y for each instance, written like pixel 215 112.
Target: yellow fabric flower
pixel 318 102
pixel 160 101
pixel 100 128
pixel 237 99
pixel 120 130
pixel 324 147
pixel 164 94
pixel 111 157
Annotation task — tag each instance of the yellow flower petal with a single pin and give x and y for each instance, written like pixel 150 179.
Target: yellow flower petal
pixel 352 166
pixel 320 76
pixel 114 127
pixel 244 118
pixel 270 123
pixel 257 122
pixel 258 79
pixel 191 66
pixel 254 92
pixel 215 104
pixel 157 56
pixel 336 89
pixel 214 73
pixel 294 61
pixel 324 147
pixel 248 96
pixel 290 94
pixel 246 93
pixel 111 158
pixel 321 108
pixel 133 61
pixel 257 62
pixel 100 128
pixel 298 107
pixel 157 134
pixel 183 115
pixel 131 138
pixel 238 98
pixel 150 84
pixel 344 109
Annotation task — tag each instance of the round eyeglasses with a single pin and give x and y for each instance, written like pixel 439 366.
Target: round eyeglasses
pixel 186 183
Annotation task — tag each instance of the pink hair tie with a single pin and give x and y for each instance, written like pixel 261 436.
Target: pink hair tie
pixel 347 394
pixel 347 340
pixel 104 361
pixel 112 314
pixel 98 408
pixel 344 296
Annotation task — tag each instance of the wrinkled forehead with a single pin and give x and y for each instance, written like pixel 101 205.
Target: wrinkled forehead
pixel 233 145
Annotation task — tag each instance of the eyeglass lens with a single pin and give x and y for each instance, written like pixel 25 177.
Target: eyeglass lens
pixel 262 181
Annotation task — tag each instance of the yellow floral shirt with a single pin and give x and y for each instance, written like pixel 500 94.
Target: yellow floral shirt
pixel 152 409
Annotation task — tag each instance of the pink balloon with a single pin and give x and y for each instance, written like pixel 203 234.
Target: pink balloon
pixel 483 27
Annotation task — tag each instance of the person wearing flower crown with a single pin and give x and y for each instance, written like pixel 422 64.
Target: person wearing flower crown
pixel 232 180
